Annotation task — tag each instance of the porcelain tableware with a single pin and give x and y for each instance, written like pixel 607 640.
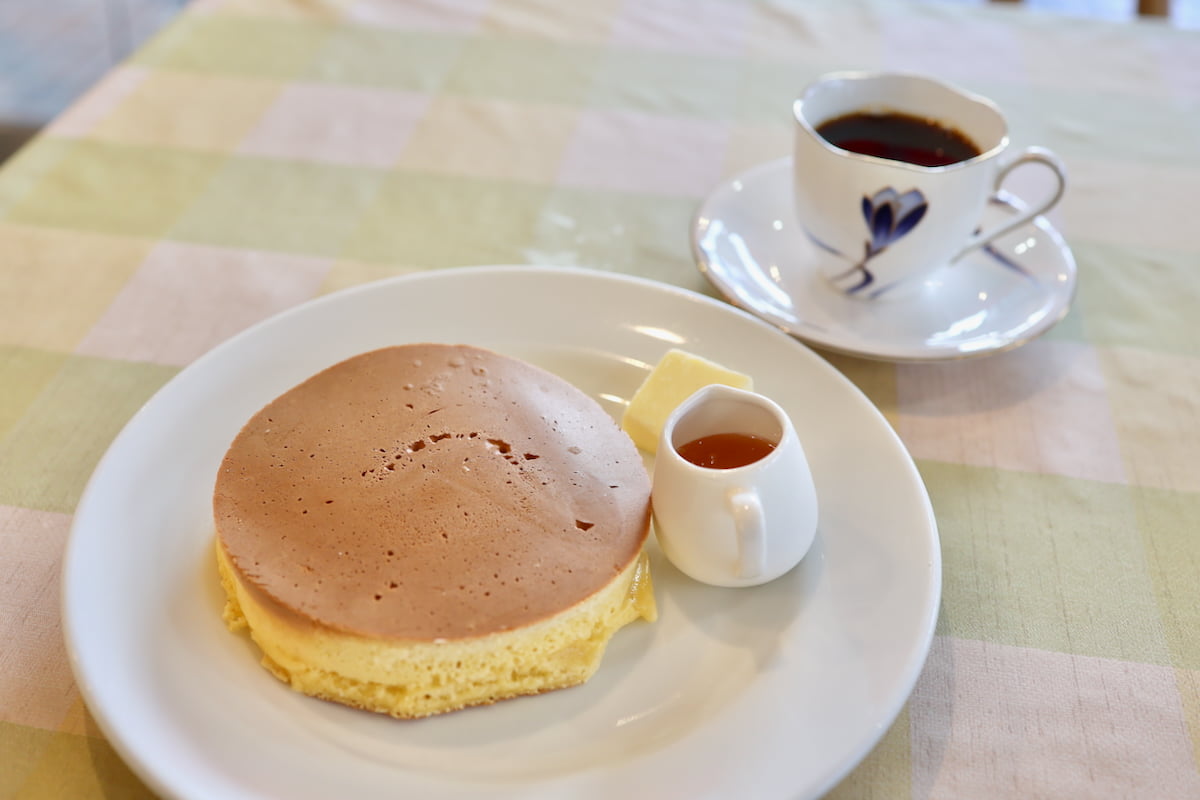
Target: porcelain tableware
pixel 738 526
pixel 891 223
pixel 750 247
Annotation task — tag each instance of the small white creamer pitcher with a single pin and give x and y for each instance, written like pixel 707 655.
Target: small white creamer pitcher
pixel 750 516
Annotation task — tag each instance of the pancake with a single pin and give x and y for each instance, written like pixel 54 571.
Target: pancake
pixel 426 527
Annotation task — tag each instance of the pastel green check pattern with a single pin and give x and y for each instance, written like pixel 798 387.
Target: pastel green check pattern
pixel 258 153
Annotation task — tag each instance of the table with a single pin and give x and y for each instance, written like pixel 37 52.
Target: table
pixel 258 153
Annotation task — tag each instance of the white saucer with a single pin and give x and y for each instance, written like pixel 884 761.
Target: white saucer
pixel 749 246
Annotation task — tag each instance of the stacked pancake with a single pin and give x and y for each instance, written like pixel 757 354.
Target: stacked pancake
pixel 427 527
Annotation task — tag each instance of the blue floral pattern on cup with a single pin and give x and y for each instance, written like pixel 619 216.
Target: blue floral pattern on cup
pixel 890 216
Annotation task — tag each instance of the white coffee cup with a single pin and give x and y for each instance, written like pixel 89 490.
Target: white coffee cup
pixel 884 223
pixel 740 526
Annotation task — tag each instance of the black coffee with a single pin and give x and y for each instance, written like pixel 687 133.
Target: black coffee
pixel 900 137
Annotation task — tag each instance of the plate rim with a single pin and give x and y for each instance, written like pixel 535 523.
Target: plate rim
pixel 806 334
pixel 145 768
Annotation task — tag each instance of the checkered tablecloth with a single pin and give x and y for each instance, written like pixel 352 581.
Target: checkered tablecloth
pixel 260 152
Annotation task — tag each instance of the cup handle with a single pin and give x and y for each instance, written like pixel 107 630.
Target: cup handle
pixel 1029 155
pixel 751 533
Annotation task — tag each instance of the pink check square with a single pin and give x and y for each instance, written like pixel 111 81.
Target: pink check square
pixel 82 117
pixel 187 298
pixel 450 16
pixel 995 720
pixel 345 125
pixel 36 687
pixel 1044 409
pixel 639 152
pixel 710 27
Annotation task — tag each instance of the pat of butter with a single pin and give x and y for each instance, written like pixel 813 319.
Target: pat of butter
pixel 674 379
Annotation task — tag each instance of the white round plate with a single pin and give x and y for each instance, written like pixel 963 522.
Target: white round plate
pixel 771 692
pixel 750 247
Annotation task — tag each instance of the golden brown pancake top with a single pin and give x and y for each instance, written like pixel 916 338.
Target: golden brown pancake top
pixel 430 491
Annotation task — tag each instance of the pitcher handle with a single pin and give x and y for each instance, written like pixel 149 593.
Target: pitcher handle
pixel 751 532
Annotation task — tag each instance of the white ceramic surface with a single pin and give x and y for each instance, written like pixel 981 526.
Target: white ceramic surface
pixel 893 222
pixel 740 526
pixel 770 692
pixel 747 243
